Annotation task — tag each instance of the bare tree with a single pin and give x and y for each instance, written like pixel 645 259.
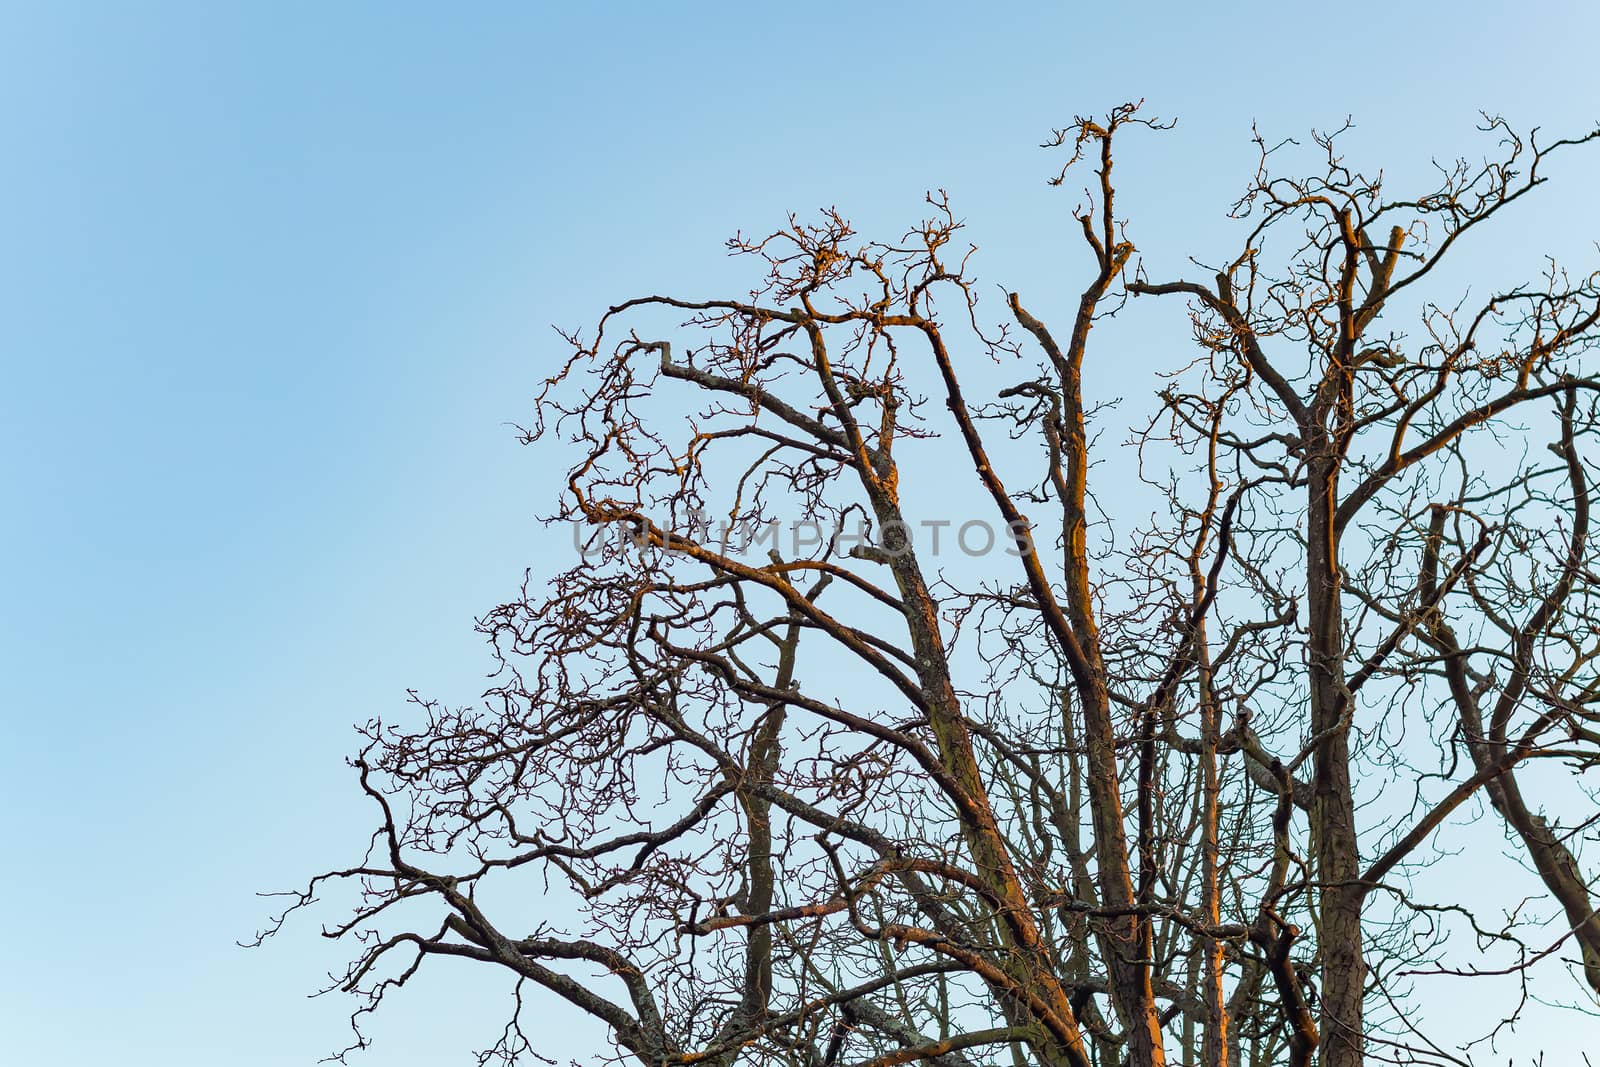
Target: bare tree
pixel 823 791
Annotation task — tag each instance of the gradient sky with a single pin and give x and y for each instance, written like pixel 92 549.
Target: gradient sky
pixel 275 280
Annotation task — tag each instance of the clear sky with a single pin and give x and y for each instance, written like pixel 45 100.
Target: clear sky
pixel 275 279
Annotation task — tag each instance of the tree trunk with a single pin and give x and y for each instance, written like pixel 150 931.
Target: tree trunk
pixel 1332 805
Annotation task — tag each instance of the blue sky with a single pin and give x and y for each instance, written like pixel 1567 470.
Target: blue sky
pixel 275 280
